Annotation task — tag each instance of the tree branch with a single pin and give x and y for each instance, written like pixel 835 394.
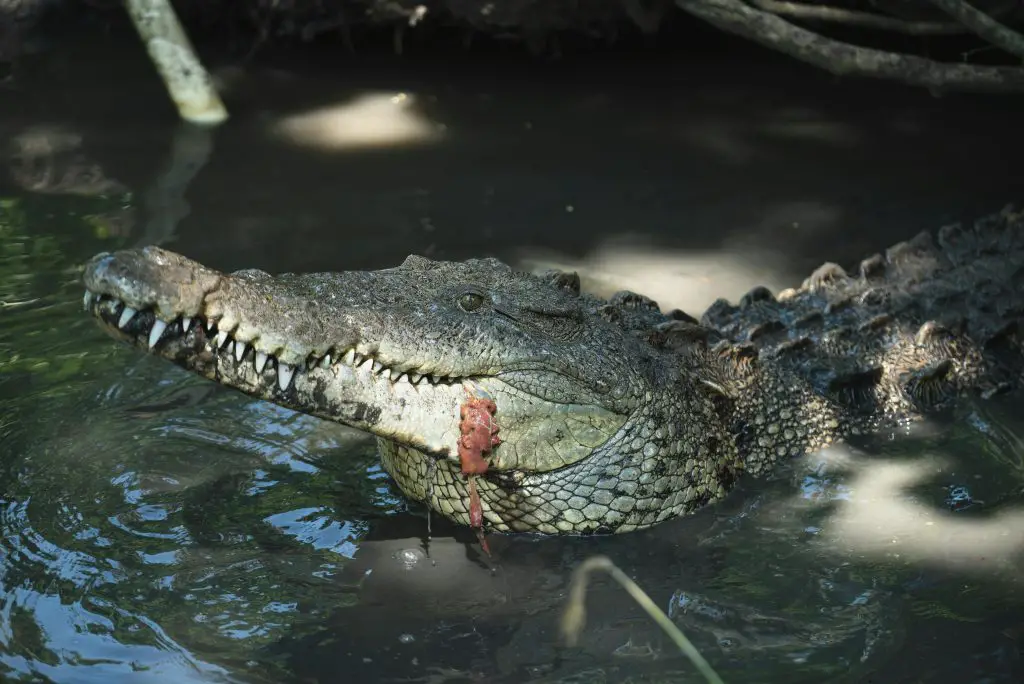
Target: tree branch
pixel 839 15
pixel 841 58
pixel 984 26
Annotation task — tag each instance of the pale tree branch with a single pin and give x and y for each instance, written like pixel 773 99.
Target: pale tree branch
pixel 800 10
pixel 841 58
pixel 984 26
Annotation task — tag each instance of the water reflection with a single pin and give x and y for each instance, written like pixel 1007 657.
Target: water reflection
pixel 49 159
pixel 90 641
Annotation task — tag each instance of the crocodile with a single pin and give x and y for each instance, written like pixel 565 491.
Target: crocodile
pixel 513 402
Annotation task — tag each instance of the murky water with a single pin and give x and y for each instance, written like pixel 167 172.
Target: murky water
pixel 153 525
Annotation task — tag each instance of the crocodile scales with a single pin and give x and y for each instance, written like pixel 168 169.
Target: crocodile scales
pixel 608 415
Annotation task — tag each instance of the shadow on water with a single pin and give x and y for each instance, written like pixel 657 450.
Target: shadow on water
pixel 154 525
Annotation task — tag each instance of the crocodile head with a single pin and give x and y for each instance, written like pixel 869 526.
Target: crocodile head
pixel 403 352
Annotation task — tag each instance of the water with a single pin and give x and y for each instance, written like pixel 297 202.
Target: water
pixel 156 528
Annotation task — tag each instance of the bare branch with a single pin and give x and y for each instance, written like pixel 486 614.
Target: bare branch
pixel 984 26
pixel 841 58
pixel 839 15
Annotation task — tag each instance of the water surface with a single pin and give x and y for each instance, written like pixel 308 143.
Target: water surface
pixel 154 527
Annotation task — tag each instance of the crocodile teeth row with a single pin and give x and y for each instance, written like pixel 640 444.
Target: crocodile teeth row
pixel 223 341
pixel 285 372
pixel 361 362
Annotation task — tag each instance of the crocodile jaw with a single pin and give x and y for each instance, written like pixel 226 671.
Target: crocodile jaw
pixel 197 318
pixel 352 388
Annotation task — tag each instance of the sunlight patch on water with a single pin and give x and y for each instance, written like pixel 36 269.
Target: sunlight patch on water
pixel 948 500
pixel 882 518
pixel 693 279
pixel 689 280
pixel 371 120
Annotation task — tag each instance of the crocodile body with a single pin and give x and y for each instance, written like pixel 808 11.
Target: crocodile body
pixel 515 402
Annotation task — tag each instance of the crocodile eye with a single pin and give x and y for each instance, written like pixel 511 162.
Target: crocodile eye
pixel 470 301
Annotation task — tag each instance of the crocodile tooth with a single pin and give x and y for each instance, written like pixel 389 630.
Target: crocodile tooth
pixel 222 337
pixel 186 323
pixel 261 361
pixel 350 357
pixel 239 351
pixel 284 375
pixel 365 364
pixel 154 334
pixel 386 374
pixel 376 366
pixel 126 316
pixel 415 378
pixel 86 300
pixel 326 361
pixel 209 326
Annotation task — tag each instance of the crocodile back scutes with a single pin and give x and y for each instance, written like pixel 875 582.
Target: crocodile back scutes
pixel 927 320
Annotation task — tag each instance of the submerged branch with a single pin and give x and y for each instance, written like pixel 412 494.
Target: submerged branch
pixel 184 76
pixel 575 615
